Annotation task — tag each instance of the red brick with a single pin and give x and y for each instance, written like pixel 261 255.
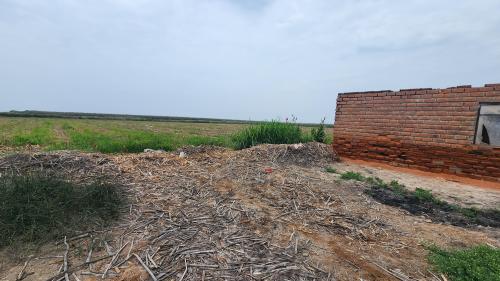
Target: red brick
pixel 425 125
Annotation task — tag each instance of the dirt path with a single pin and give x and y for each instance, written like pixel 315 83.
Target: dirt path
pixel 472 193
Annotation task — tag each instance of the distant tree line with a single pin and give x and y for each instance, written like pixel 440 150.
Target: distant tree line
pixel 105 116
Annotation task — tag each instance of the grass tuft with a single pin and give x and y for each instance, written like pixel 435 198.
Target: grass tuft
pixel 352 176
pixel 471 212
pixel 331 170
pixel 273 132
pixel 480 263
pixel 376 182
pixel 397 187
pixel 37 208
pixel 424 195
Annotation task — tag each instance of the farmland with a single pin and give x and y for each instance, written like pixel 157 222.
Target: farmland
pixel 110 136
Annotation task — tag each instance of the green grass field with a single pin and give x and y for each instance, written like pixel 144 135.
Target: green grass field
pixel 110 136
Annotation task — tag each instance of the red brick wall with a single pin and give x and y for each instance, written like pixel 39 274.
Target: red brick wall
pixel 427 129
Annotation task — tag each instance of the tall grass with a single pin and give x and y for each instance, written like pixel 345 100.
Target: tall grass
pixel 273 132
pixel 37 208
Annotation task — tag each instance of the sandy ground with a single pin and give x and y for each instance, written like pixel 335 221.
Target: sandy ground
pixel 266 213
pixel 472 193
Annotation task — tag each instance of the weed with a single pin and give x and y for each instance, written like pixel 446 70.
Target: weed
pixel 480 263
pixel 352 176
pixel 318 134
pixel 424 195
pixel 273 132
pixel 469 212
pixel 397 187
pixel 376 182
pixel 37 208
pixel 331 170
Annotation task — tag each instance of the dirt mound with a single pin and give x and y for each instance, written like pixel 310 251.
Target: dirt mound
pixel 302 154
pixel 217 214
pixel 77 166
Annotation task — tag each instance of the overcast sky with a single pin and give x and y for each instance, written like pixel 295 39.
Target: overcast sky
pixel 242 59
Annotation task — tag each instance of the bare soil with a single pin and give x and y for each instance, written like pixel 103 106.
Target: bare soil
pixel 265 213
pixel 457 190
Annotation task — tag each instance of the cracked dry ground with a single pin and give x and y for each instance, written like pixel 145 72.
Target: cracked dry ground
pixel 219 214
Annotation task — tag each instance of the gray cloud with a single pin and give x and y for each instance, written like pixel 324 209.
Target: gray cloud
pixel 236 59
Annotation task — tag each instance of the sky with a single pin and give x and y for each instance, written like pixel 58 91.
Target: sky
pixel 237 59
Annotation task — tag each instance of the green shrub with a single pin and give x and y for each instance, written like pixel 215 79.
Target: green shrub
pixel 480 263
pixel 352 176
pixel 273 132
pixel 318 134
pixel 38 208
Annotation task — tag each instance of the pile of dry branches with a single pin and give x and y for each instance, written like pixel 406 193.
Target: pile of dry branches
pixel 209 214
